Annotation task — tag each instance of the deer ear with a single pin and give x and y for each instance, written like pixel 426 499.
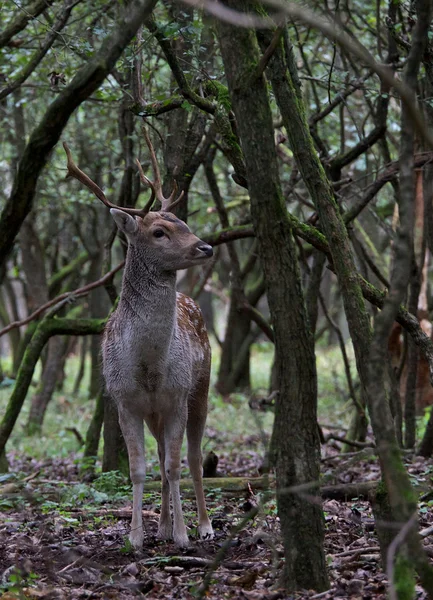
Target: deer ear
pixel 124 222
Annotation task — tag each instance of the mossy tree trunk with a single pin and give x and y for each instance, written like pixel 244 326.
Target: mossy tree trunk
pixel 283 75
pixel 296 456
pixel 115 456
pixel 93 434
pixel 10 297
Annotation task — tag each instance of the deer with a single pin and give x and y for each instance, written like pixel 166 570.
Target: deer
pixel 156 354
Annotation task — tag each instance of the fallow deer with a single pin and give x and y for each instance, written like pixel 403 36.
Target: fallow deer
pixel 156 353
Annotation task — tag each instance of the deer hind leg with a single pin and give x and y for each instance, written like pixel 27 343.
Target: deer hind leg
pixel 194 431
pixel 133 431
pixel 174 429
pixel 165 527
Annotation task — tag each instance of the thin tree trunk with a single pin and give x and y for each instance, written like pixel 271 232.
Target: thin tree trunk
pixel 115 455
pixel 15 334
pixel 82 367
pixel 56 356
pixel 93 434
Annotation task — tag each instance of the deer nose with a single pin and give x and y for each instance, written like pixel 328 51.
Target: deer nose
pixel 206 249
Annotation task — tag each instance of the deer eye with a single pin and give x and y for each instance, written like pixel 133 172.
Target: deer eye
pixel 158 233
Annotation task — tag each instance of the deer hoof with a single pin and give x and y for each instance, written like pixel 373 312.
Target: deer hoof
pixel 206 532
pixel 181 540
pixel 165 532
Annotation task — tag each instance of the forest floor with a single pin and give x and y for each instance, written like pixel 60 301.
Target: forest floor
pixel 65 538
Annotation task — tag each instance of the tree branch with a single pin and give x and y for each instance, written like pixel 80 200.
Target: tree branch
pixel 45 46
pixel 23 19
pixel 78 292
pixel 47 133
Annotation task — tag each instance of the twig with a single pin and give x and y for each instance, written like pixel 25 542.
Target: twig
pixel 426 532
pixel 354 443
pixel 258 319
pixel 356 551
pixel 359 407
pixel 77 434
pixel 219 556
pixel 118 513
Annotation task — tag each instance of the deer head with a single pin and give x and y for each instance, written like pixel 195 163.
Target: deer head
pixel 164 239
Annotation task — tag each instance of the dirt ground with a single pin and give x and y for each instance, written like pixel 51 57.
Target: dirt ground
pixel 62 538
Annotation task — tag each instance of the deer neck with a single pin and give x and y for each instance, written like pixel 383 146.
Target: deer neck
pixel 148 299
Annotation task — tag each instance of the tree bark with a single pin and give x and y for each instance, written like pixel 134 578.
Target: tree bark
pixel 56 356
pixel 296 456
pixel 288 96
pixel 94 432
pixel 115 454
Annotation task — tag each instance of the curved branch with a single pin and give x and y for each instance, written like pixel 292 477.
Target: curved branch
pixel 391 173
pixel 153 109
pixel 45 329
pixel 229 235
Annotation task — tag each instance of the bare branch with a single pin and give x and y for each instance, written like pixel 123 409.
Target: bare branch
pixel 67 295
pixel 389 174
pixel 167 204
pixel 269 52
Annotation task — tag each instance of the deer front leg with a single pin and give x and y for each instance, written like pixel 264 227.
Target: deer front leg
pixel 173 436
pixel 133 432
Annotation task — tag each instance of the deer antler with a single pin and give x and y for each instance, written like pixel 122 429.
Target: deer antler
pixel 167 204
pixel 74 171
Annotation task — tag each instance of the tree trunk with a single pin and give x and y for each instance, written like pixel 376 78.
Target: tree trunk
pixel 288 96
pixel 237 331
pixel 14 334
pixel 93 434
pixel 115 454
pixel 296 456
pixel 56 356
pixel 82 367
